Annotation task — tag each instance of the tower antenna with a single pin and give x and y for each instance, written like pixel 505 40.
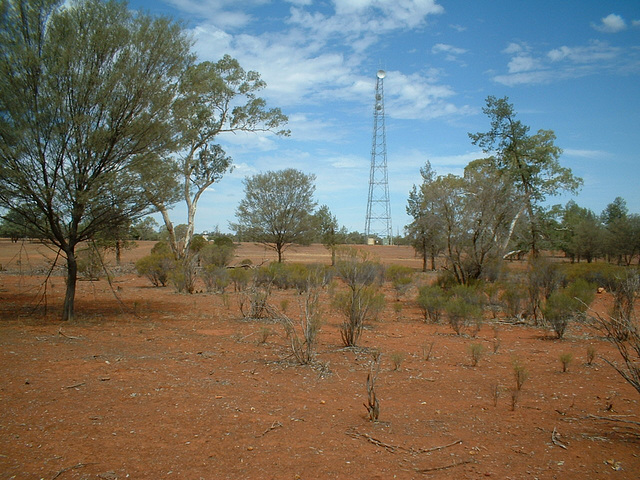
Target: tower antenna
pixel 378 220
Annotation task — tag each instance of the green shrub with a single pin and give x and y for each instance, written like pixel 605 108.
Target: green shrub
pixel 431 300
pixel 158 265
pixel 476 350
pixel 240 278
pixel 401 278
pixel 212 254
pixel 568 304
pixel 565 360
pixel 215 278
pixel 357 307
pixel 513 297
pixel 464 307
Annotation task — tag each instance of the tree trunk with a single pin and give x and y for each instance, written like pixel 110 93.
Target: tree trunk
pixel 118 251
pixel 72 278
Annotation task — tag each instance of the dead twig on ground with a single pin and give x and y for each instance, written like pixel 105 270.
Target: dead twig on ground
pixel 394 448
pixel 273 426
pixel 435 449
pixel 61 333
pixel 554 439
pixel 72 467
pixel 76 385
pixel 611 419
pixel 445 467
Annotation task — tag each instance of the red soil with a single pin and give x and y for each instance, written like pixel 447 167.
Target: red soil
pixel 156 384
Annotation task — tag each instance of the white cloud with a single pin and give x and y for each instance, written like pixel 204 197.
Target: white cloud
pixel 529 67
pixel 451 52
pixel 523 63
pixel 612 23
pixel 575 152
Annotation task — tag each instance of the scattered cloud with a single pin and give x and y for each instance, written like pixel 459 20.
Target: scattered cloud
pixel 451 53
pixel 575 152
pixel 527 66
pixel 612 23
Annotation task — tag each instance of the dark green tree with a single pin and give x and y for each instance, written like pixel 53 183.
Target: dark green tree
pixel 529 161
pixel 330 234
pixel 87 91
pixel 277 210
pixel 426 231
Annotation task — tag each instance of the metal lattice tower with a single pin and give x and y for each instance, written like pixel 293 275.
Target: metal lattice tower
pixel 378 221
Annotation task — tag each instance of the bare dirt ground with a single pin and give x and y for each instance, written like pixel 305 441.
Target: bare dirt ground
pixel 154 384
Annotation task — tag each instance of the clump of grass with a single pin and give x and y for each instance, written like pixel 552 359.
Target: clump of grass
pixel 591 354
pixel 476 350
pixel 284 305
pixel 263 335
pixel 396 359
pixel 565 360
pixel 427 350
pixel 515 396
pixel 495 393
pixel 520 374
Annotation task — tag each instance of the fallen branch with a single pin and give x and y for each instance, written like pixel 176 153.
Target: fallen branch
pixel 555 441
pixel 273 426
pixel 395 448
pixel 76 385
pixel 611 419
pixel 60 332
pixel 434 449
pixel 73 467
pixel 375 441
pixel 445 467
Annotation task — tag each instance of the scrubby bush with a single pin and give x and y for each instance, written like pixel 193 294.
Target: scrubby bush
pixel 357 307
pixel 476 350
pixel 158 265
pixel 215 278
pixel 240 278
pixel 304 333
pixel 464 307
pixel 513 297
pixel 568 304
pixel 543 278
pixel 362 301
pixel 401 278
pixel 90 263
pixel 431 300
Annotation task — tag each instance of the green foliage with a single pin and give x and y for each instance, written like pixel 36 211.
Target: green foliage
pixel 476 350
pixel 277 209
pixel 215 254
pixel 158 265
pixel 357 307
pixel 90 262
pixel 87 101
pixel 215 278
pixel 568 304
pixel 431 300
pixel 565 360
pixel 520 374
pixel 464 307
pixel 240 278
pixel 401 278
pixel 184 274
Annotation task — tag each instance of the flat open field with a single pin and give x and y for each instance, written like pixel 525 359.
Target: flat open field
pixel 146 383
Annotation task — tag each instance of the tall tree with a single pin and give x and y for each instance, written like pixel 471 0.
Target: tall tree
pixel 86 98
pixel 425 231
pixel 330 235
pixel 213 99
pixel 531 161
pixel 277 210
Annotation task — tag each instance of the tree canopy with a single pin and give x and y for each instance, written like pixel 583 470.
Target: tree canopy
pixel 530 161
pixel 87 93
pixel 277 210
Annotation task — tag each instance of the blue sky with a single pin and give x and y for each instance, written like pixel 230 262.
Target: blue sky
pixel 571 66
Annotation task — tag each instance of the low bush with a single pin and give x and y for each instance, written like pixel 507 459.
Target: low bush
pixel 158 265
pixel 401 278
pixel 431 300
